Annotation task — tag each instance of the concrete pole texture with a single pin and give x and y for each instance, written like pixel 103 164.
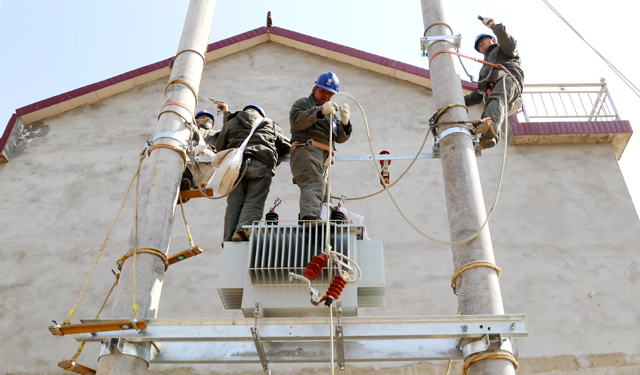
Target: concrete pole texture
pixel 478 288
pixel 159 182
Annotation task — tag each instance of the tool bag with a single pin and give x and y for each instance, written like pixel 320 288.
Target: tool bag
pixel 202 172
pixel 229 162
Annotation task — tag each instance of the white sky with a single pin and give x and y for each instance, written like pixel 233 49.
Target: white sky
pixel 50 47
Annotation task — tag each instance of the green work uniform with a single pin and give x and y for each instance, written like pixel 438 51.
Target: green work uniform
pixel 266 147
pixel 307 162
pixel 503 53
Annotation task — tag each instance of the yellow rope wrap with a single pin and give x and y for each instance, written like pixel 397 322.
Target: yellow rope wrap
pixel 204 60
pixel 468 266
pixel 178 80
pixel 146 250
pixel 170 147
pixel 68 319
pixel 481 357
pixel 172 111
pixel 444 109
pixel 436 24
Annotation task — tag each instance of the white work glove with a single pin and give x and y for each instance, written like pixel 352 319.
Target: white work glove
pixel 344 114
pixel 329 108
pixel 488 22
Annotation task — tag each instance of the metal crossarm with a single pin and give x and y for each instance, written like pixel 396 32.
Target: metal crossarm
pixel 300 340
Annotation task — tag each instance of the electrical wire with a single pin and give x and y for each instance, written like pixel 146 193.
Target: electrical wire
pixel 606 61
pixel 495 201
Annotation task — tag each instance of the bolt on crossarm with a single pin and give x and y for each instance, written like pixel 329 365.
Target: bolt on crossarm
pixel 478 288
pixel 159 181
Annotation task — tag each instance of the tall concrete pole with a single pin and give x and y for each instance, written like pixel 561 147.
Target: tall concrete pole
pixel 478 288
pixel 159 182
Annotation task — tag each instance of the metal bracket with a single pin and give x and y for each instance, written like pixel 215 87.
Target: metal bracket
pixel 173 136
pixel 435 142
pixel 204 159
pixel 483 345
pixel 426 42
pixel 340 348
pixel 261 353
pixel 122 346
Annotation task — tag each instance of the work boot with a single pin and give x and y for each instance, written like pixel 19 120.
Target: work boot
pixel 486 128
pixel 239 236
pixel 486 143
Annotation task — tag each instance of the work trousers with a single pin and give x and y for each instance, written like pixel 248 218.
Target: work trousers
pixel 495 106
pixel 245 203
pixel 307 168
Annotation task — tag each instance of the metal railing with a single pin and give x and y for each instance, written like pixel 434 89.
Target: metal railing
pixel 568 102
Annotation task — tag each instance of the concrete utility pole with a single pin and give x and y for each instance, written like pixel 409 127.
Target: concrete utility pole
pixel 478 288
pixel 159 186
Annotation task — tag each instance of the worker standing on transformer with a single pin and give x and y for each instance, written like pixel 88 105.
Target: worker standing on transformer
pixel 205 122
pixel 310 150
pixel 493 83
pixel 262 154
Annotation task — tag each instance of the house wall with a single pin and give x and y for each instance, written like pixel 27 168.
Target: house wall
pixel 564 226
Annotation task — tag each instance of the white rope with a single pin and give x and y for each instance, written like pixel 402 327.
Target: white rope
pixel 375 162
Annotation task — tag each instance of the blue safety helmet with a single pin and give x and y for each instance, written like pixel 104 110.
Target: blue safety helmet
pixel 257 108
pixel 328 81
pixel 479 38
pixel 206 113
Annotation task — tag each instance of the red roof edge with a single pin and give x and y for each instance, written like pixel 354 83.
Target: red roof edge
pixel 569 127
pixel 217 45
pixel 7 131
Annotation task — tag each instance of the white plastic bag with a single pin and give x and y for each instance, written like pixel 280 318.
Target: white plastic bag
pixel 229 163
pixel 202 172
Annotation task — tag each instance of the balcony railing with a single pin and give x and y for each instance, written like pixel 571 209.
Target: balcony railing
pixel 568 102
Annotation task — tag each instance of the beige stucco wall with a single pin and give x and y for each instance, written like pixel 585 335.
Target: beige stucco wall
pixel 564 227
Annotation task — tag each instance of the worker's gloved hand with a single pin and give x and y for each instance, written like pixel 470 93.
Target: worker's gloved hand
pixel 344 113
pixel 488 22
pixel 223 106
pixel 329 108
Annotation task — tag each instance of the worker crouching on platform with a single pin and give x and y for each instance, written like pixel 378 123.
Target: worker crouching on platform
pixel 310 151
pixel 264 150
pixel 493 83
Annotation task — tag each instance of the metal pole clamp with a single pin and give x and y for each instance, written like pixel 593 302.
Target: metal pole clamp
pixel 121 346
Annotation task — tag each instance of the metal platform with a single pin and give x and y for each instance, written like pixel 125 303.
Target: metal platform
pixel 306 340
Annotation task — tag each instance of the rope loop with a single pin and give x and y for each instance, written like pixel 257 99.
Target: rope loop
pixel 147 250
pixel 204 60
pixel 441 111
pixel 182 81
pixel 436 24
pixel 180 151
pixel 481 357
pixel 468 266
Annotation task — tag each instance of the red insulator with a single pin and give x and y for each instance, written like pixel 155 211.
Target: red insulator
pixel 335 288
pixel 315 266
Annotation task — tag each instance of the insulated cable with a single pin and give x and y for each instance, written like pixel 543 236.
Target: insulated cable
pixel 375 162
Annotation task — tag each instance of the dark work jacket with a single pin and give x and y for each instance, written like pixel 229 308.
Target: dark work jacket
pixel 504 53
pixel 306 125
pixel 267 144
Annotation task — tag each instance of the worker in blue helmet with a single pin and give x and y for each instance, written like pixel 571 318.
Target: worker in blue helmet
pixel 494 84
pixel 311 152
pixel 205 122
pixel 266 147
